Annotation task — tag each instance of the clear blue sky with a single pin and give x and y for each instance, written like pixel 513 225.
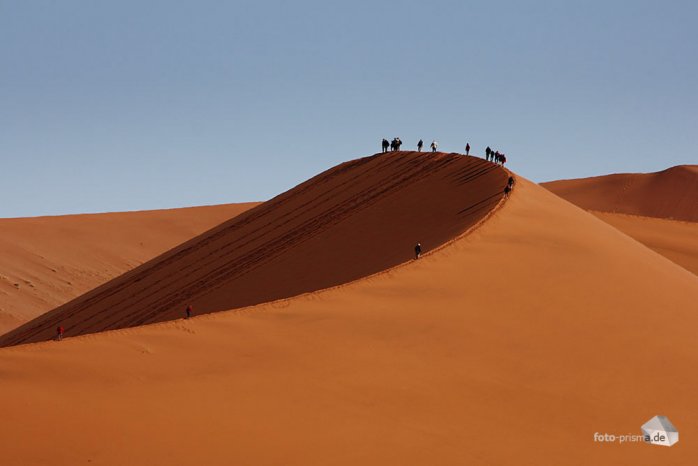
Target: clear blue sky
pixel 128 105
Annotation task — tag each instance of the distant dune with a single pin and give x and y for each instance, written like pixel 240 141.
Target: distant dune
pixel 47 261
pixel 646 207
pixel 670 194
pixel 678 241
pixel 512 345
pixel 351 221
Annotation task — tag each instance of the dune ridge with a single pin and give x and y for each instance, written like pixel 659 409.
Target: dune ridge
pixel 669 194
pixel 47 261
pixel 658 209
pixel 675 240
pixel 353 220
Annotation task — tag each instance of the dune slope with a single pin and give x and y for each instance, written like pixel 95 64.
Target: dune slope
pixel 677 241
pixel 511 346
pixel 353 220
pixel 47 261
pixel 669 194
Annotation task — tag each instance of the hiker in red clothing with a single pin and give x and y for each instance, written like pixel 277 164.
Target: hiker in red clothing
pixel 59 333
pixel 189 311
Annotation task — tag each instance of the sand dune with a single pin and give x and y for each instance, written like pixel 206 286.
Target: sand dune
pixel 677 241
pixel 669 194
pixel 356 219
pixel 46 261
pixel 663 196
pixel 510 346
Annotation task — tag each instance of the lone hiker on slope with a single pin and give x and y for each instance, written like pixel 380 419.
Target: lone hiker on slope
pixel 59 333
pixel 420 144
pixel 467 149
pixel 418 251
pixel 189 310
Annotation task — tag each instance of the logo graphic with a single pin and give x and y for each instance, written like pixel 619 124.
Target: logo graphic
pixel 660 431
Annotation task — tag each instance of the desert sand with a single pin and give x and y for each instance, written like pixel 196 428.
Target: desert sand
pixel 511 345
pixel 678 241
pixel 351 221
pixel 46 261
pixel 670 194
pixel 644 207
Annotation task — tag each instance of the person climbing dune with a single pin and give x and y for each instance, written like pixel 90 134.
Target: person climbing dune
pixel 420 144
pixel 385 144
pixel 418 251
pixel 189 311
pixel 59 333
pixel 509 187
pixel 467 149
pixel 434 145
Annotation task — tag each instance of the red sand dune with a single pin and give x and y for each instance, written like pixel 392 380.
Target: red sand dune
pixel 677 241
pixel 511 346
pixel 46 261
pixel 351 221
pixel 670 194
pixel 653 200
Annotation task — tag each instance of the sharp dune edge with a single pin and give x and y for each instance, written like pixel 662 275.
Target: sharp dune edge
pixel 353 220
pixel 47 261
pixel 677 241
pixel 658 209
pixel 512 345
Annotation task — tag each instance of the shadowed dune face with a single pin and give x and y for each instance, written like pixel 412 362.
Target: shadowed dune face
pixel 670 194
pixel 351 221
pixel 47 261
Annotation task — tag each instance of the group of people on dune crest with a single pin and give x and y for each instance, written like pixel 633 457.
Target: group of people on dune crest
pixel 396 143
pixel 490 155
pixel 495 156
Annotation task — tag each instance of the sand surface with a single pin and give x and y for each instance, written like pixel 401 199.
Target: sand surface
pixel 510 346
pixel 645 206
pixel 47 261
pixel 678 241
pixel 669 194
pixel 353 220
